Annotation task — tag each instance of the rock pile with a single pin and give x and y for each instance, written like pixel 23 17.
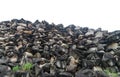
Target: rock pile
pixel 57 51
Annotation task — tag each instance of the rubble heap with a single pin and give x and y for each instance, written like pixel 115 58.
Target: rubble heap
pixel 57 51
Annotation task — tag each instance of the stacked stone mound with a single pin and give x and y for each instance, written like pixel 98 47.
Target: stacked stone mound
pixel 58 51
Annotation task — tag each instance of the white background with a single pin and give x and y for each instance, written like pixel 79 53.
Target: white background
pixel 90 13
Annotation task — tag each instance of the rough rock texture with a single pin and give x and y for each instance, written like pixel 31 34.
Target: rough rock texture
pixel 57 51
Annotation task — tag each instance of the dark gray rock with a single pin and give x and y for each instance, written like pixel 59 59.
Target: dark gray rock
pixel 58 51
